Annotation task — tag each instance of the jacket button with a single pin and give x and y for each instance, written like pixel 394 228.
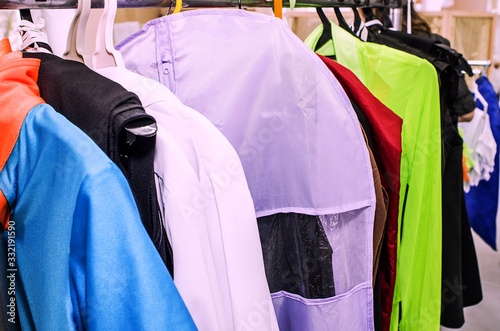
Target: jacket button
pixel 166 67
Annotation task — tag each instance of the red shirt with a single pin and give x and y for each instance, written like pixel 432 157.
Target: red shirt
pixel 386 128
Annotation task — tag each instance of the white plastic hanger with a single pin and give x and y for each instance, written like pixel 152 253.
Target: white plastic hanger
pixel 475 91
pixel 34 38
pixel 75 46
pixel 105 54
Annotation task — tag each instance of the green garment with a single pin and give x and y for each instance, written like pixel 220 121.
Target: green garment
pixel 467 152
pixel 407 85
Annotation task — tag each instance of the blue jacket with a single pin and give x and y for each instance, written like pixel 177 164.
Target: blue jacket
pixel 482 200
pixel 83 260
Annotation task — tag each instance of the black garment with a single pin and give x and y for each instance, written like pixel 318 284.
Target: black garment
pixel 104 110
pixel 364 124
pixel 297 255
pixel 3 309
pixel 461 286
pixel 377 303
pixel 460 272
pixel 377 290
pixel 471 294
pixel 458 99
pixel 3 292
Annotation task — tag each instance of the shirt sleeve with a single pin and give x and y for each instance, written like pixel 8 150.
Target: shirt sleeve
pixel 118 280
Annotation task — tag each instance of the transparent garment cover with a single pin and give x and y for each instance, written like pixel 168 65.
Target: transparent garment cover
pixel 347 310
pixel 295 132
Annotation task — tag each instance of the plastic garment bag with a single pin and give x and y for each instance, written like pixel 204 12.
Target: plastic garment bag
pixel 295 132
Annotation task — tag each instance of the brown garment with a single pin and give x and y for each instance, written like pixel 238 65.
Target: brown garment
pixel 382 202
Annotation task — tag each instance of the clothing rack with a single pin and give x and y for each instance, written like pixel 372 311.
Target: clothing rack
pixel 36 4
pixel 485 64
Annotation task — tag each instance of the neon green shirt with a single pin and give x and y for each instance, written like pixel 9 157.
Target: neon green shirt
pixel 409 86
pixel 467 152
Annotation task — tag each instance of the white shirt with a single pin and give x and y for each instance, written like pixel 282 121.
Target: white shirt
pixel 479 137
pixel 208 214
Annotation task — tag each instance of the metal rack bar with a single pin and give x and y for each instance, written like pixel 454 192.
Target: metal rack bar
pixel 37 4
pixel 396 16
pixel 485 63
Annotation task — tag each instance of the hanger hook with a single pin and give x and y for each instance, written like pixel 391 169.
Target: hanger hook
pixel 170 7
pixel 178 6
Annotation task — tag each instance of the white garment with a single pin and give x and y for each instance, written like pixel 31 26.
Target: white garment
pixel 208 214
pixel 478 136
